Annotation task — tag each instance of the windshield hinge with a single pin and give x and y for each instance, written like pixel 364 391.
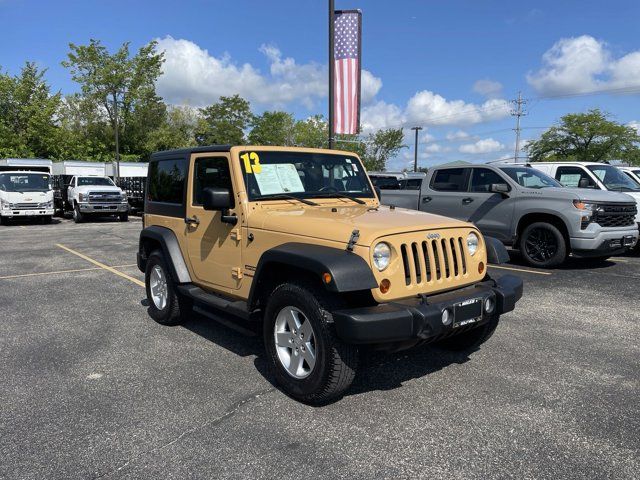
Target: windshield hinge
pixel 355 235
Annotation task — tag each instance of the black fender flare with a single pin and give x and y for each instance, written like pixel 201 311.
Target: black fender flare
pixel 349 272
pixel 496 251
pixel 170 248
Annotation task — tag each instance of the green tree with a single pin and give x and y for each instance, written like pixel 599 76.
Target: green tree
pixel 178 130
pixel 311 132
pixel 273 128
pixel 587 137
pixel 225 122
pixel 380 146
pixel 122 87
pixel 27 114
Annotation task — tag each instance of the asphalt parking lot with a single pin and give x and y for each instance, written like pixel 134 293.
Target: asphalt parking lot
pixel 91 387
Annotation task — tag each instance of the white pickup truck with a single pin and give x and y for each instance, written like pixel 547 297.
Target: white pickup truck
pixel 25 194
pixel 95 196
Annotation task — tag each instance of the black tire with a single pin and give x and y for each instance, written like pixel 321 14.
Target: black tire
pixel 78 216
pixel 336 362
pixel 124 217
pixel 543 245
pixel 472 339
pixel 4 221
pixel 176 308
pixel 46 220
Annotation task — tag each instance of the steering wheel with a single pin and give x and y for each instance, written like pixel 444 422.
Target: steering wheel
pixel 328 188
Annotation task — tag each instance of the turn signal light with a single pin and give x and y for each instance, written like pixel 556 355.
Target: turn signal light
pixel 480 267
pixel 385 285
pixel 326 278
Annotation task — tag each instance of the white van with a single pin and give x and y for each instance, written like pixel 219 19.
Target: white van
pixel 599 176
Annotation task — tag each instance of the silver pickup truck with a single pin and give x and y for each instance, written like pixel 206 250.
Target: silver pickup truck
pixel 524 208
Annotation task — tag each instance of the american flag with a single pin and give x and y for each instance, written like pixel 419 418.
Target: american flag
pixel 346 81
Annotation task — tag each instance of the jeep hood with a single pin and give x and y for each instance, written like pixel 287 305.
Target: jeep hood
pixel 584 194
pixel 322 222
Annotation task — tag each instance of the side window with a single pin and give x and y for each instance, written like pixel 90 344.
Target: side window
pixel 167 180
pixel 414 184
pixel 482 178
pixel 386 183
pixel 571 176
pixel 450 180
pixel 210 172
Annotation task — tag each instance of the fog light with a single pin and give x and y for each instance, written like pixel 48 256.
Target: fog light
pixel 326 278
pixel 385 285
pixel 489 305
pixel 447 316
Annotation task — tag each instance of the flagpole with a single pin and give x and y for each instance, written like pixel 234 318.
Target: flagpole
pixel 331 72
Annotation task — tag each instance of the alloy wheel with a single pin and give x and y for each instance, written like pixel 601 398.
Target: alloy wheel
pixel 541 245
pixel 158 287
pixel 295 342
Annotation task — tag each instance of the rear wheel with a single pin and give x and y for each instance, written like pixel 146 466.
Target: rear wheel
pixel 473 338
pixel 308 360
pixel 165 305
pixel 543 245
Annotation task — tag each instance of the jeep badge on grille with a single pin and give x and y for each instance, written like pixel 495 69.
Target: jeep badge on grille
pixel 433 236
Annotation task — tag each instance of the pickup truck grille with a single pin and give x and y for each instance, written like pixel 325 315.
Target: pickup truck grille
pixel 26 206
pixel 615 214
pixel 104 197
pixel 432 260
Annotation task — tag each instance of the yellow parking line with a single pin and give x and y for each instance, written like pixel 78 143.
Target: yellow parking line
pixel 38 274
pixel 102 265
pixel 519 270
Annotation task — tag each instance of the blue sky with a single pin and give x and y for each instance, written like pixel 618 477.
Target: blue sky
pixel 450 66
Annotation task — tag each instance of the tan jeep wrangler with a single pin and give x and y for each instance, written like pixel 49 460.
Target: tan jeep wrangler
pixel 295 242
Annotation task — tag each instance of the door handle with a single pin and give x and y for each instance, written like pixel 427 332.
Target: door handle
pixel 192 220
pixel 467 200
pixel 426 199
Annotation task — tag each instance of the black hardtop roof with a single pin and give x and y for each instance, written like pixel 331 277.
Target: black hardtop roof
pixel 183 152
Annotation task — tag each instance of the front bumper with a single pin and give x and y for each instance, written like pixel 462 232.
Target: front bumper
pixel 607 242
pixel 421 318
pixel 104 208
pixel 39 212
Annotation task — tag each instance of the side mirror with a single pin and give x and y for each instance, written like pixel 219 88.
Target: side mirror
pixel 378 193
pixel 501 188
pixel 215 198
pixel 584 183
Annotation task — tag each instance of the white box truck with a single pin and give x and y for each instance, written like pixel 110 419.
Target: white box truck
pixel 25 189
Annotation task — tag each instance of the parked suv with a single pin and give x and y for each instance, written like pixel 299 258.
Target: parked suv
pixel 528 210
pixel 294 242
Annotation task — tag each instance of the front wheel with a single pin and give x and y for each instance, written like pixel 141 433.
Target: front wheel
pixel 543 245
pixel 78 216
pixel 124 217
pixel 473 338
pixel 308 360
pixel 4 220
pixel 46 220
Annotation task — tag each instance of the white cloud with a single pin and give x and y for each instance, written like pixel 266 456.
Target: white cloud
pixel 192 75
pixel 488 88
pixel 634 124
pixel 381 115
pixel 428 108
pixel 457 135
pixel 486 145
pixel 584 64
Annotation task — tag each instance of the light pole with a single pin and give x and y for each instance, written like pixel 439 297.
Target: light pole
pixel 415 153
pixel 331 72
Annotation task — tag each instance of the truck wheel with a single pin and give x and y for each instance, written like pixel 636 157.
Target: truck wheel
pixel 78 217
pixel 124 217
pixel 165 306
pixel 543 245
pixel 4 221
pixel 308 360
pixel 473 338
pixel 46 219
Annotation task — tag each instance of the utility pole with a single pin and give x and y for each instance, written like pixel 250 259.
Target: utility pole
pixel 331 72
pixel 115 117
pixel 518 112
pixel 415 153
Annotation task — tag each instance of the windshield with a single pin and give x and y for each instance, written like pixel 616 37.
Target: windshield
pixel 530 177
pixel 613 179
pixel 24 182
pixel 100 181
pixel 303 175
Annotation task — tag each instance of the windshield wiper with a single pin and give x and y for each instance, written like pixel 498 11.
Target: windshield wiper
pixel 284 196
pixel 340 195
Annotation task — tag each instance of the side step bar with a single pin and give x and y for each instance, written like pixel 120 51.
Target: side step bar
pixel 236 308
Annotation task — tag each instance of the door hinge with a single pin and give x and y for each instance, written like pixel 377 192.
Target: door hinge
pixel 236 235
pixel 236 272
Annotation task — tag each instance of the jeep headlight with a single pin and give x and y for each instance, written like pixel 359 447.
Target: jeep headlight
pixel 472 243
pixel 381 255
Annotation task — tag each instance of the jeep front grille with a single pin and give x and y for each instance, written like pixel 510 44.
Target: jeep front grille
pixel 428 261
